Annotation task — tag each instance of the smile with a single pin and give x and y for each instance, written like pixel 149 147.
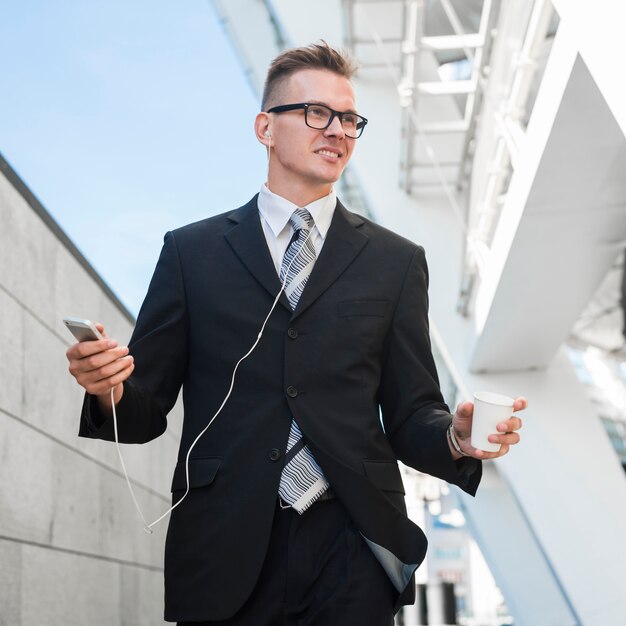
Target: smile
pixel 328 153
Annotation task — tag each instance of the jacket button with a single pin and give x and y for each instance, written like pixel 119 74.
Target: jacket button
pixel 292 392
pixel 292 333
pixel 274 454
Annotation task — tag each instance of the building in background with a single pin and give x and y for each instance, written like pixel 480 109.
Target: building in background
pixel 496 141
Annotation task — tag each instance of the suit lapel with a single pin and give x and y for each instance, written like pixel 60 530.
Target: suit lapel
pixel 343 243
pixel 247 240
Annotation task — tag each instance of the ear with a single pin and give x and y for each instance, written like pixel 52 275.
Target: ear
pixel 262 129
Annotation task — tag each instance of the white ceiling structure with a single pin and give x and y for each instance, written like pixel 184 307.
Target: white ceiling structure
pixel 517 253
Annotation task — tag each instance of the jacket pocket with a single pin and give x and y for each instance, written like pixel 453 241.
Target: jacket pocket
pixel 385 475
pixel 376 308
pixel 202 472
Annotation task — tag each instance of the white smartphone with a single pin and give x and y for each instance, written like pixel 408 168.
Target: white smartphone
pixel 82 329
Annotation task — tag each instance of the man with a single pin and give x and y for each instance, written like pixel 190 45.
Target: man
pixel 295 512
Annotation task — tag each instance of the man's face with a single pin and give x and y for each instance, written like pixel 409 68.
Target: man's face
pixel 302 158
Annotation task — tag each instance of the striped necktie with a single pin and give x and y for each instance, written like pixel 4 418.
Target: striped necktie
pixel 302 481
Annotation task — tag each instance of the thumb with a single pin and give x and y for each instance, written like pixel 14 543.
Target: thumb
pixel 462 419
pixel 100 327
pixel 465 410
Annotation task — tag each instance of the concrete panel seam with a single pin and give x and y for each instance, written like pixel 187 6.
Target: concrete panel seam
pixel 65 341
pixel 85 456
pixel 35 316
pixel 88 555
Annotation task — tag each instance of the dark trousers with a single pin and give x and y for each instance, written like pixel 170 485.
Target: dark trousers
pixel 318 572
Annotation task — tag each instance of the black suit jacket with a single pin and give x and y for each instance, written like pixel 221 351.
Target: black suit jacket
pixel 357 342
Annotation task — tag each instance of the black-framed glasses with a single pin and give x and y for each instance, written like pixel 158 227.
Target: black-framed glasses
pixel 320 117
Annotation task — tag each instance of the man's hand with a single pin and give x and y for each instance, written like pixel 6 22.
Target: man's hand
pixel 99 366
pixel 462 424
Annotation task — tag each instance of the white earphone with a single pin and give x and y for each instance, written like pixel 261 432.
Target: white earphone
pixel 269 152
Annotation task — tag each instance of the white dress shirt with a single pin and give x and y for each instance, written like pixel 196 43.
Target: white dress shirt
pixel 275 212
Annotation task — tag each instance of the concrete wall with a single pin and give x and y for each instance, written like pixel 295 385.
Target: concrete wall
pixel 72 548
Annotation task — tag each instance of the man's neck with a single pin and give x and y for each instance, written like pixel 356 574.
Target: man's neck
pixel 299 196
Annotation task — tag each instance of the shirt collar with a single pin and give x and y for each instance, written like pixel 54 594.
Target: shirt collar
pixel 277 210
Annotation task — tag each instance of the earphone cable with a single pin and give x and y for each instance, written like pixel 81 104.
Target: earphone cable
pixel 148 527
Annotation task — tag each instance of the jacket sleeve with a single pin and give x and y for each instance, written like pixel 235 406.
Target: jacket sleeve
pixel 159 346
pixel 415 415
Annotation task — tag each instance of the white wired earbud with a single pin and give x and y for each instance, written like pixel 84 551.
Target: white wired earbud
pixel 269 152
pixel 148 527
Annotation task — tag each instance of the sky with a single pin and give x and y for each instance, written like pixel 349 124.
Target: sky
pixel 126 120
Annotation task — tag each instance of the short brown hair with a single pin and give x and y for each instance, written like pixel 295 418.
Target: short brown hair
pixel 317 56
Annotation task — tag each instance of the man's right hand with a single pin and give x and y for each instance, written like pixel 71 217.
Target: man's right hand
pixel 99 366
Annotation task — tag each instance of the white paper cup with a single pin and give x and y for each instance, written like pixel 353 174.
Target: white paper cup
pixel 489 410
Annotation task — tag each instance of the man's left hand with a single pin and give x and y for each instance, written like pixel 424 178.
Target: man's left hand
pixel 507 437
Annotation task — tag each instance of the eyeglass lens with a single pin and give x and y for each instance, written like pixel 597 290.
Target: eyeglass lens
pixel 318 117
